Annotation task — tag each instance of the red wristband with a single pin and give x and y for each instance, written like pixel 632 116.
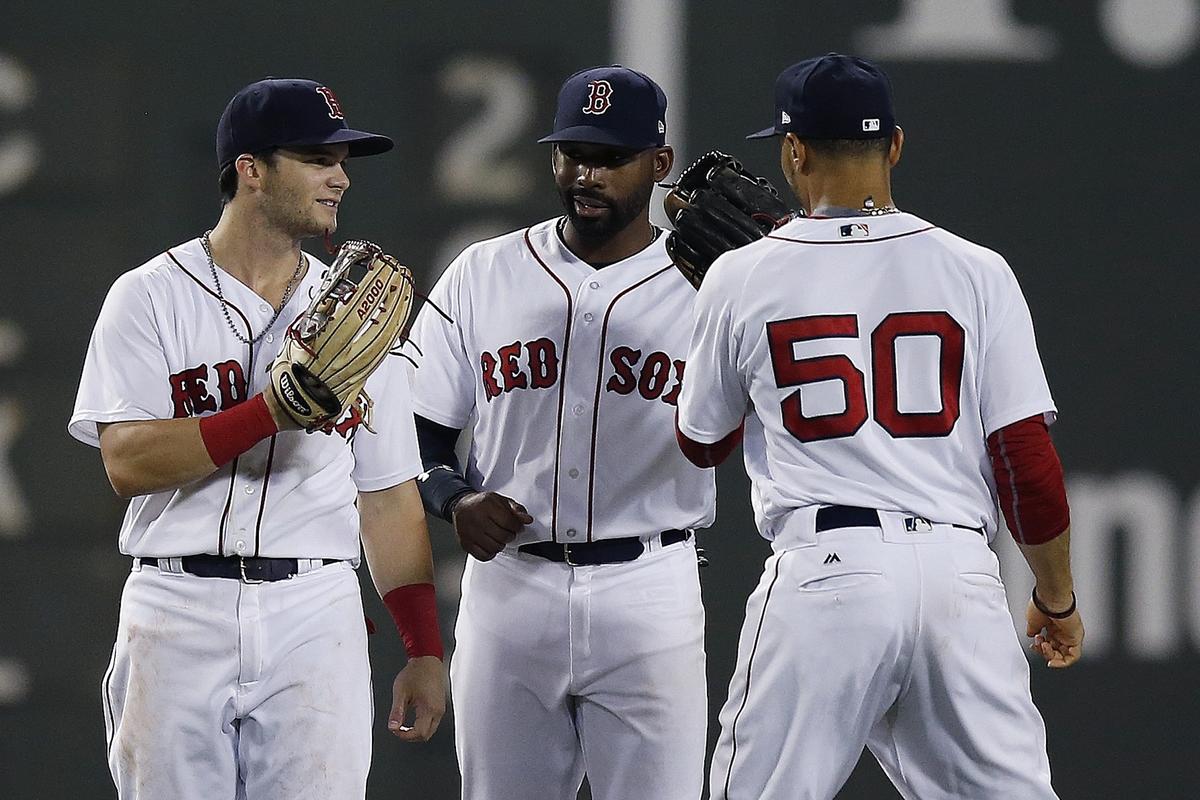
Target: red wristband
pixel 414 609
pixel 229 433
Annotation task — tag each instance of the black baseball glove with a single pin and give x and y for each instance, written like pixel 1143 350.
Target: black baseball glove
pixel 717 206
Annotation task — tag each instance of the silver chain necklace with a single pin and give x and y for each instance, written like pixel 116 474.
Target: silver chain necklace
pixel 287 293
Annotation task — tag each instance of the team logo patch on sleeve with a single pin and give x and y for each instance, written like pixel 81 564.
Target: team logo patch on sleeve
pixel 855 230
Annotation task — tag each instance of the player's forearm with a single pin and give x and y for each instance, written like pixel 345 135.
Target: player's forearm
pixel 1051 566
pixel 148 456
pixel 395 538
pixel 397 546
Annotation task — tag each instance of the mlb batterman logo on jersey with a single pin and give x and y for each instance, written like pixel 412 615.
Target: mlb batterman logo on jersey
pixel 599 97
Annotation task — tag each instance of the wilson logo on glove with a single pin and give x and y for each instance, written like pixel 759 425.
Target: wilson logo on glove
pixel 288 389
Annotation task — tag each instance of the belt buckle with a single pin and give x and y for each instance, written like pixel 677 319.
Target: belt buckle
pixel 245 577
pixel 567 556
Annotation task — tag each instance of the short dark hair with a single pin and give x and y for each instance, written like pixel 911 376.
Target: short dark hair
pixel 878 146
pixel 227 181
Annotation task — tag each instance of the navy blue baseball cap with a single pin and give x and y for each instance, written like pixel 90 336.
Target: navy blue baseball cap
pixel 611 105
pixel 288 112
pixel 832 97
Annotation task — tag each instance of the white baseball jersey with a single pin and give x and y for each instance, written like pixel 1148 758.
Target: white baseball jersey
pixel 571 375
pixel 163 349
pixel 877 353
pixel 872 356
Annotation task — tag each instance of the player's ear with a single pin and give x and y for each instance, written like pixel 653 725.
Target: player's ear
pixel 247 169
pixel 664 160
pixel 794 152
pixel 896 146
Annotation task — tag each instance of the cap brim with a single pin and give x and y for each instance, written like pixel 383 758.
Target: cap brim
pixel 361 143
pixel 587 134
pixel 765 133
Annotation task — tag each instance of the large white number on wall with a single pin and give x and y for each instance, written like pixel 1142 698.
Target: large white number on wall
pixel 472 168
pixel 19 151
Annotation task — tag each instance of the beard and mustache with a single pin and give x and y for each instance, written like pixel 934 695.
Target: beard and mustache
pixel 621 212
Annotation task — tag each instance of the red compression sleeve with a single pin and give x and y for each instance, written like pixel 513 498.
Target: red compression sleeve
pixel 229 433
pixel 1029 480
pixel 414 609
pixel 708 455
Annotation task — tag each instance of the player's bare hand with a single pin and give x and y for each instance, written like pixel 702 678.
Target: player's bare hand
pixel 1058 641
pixel 419 692
pixel 485 522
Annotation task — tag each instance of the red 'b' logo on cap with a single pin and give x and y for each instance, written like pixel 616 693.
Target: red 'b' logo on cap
pixel 599 97
pixel 335 108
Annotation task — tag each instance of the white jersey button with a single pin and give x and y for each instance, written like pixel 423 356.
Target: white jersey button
pixel 240 546
pixel 588 317
pixel 264 308
pixel 574 473
pixel 571 533
pixel 249 490
pixel 270 337
pixel 578 409
pixel 594 284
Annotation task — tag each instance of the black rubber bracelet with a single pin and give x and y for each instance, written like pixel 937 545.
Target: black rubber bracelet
pixel 1053 614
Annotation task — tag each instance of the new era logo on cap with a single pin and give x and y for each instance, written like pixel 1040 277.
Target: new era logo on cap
pixel 784 117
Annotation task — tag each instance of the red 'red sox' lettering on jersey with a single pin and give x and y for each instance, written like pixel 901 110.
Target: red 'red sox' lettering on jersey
pixel 658 372
pixel 191 396
pixel 555 393
pixel 504 371
pixel 190 388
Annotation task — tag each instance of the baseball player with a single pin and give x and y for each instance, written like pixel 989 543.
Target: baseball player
pixel 891 390
pixel 240 667
pixel 579 641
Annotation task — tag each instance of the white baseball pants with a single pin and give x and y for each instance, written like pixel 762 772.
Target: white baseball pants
pixel 221 689
pixel 900 642
pixel 558 670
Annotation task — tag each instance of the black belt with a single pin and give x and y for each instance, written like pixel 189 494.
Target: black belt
pixel 251 569
pixel 604 551
pixel 832 517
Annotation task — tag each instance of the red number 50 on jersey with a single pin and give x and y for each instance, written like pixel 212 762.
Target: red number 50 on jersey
pixel 791 371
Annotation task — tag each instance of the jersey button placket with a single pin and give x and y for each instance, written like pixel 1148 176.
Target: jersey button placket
pixel 579 393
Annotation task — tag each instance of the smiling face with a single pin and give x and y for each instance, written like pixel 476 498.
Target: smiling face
pixel 603 188
pixel 301 189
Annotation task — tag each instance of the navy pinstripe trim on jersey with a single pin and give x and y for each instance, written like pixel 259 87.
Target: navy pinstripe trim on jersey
pixel 749 668
pixel 233 467
pixel 853 241
pixel 262 499
pixel 599 383
pixel 562 380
